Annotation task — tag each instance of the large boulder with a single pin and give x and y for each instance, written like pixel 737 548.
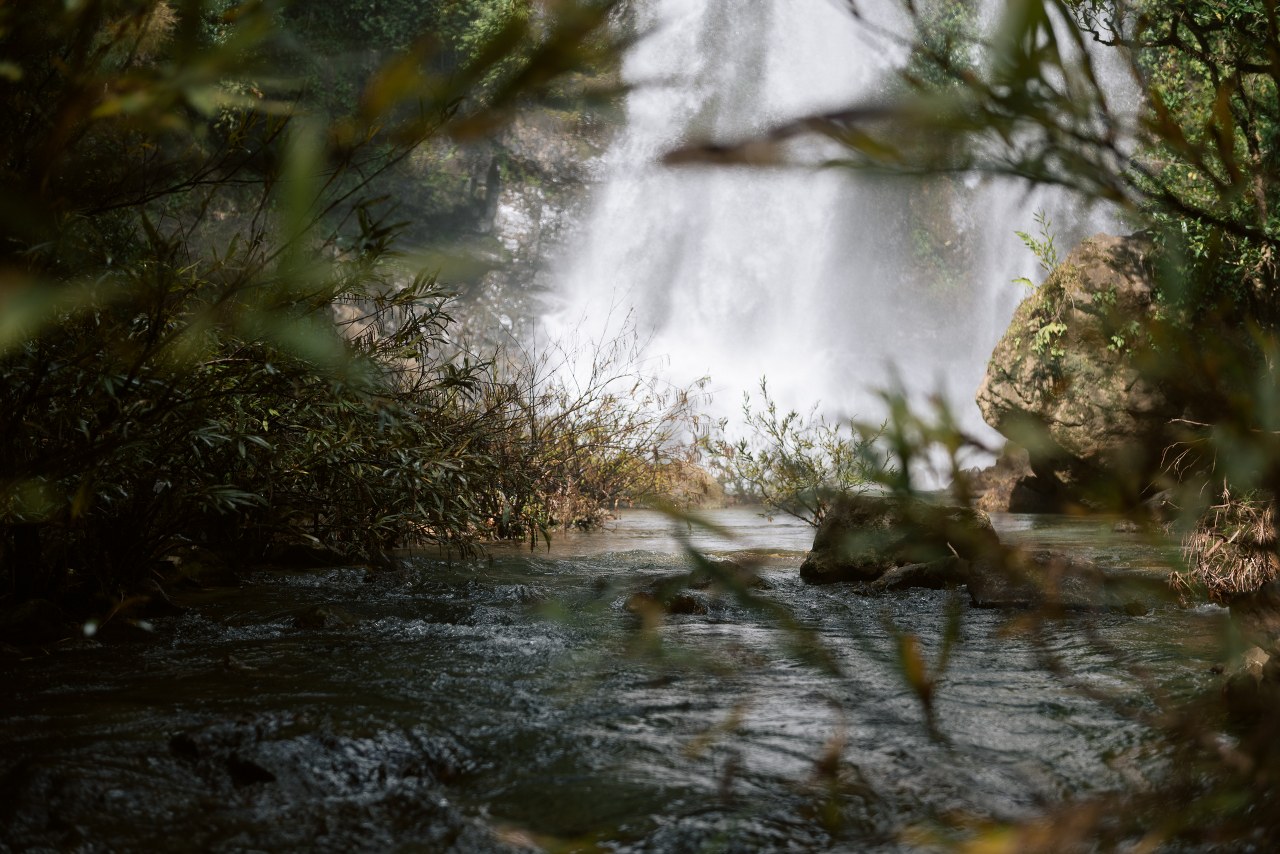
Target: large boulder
pixel 863 537
pixel 1063 381
pixel 1252 685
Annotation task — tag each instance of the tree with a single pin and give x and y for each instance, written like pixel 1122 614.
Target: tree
pixel 182 221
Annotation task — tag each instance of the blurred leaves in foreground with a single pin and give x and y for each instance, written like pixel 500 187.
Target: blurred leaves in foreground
pixel 206 333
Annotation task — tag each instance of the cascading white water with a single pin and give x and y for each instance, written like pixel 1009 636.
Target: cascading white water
pixel 827 282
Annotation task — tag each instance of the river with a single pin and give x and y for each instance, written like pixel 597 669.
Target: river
pixel 514 702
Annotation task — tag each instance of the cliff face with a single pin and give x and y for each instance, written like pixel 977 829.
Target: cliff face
pixel 1064 381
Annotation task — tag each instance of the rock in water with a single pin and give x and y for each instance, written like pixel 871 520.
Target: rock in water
pixel 323 617
pixel 1062 382
pixel 33 622
pixel 1010 486
pixel 1033 579
pixel 935 575
pixel 863 537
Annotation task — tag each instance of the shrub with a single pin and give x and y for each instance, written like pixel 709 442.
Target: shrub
pixel 792 463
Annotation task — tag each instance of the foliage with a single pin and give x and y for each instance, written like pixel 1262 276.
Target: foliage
pixel 1042 247
pixel 795 464
pixel 584 429
pixel 180 234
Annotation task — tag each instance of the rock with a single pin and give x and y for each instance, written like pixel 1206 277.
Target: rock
pixel 1252 685
pixel 236 665
pixel 686 603
pixel 862 537
pixel 1010 486
pixel 246 772
pixel 323 617
pixel 196 566
pixel 1062 381
pixel 935 575
pixel 123 630
pixel 1058 581
pixel 303 556
pixel 233 748
pixel 35 621
pixel 1160 507
pixel 654 600
pixel 722 570
pixel 1033 579
pixel 1257 615
pixel 1136 608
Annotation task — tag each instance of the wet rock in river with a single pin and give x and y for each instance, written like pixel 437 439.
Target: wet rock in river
pixel 863 537
pixel 1058 581
pixel 1252 685
pixel 654 600
pixel 934 575
pixel 1033 579
pixel 323 617
pixel 124 630
pixel 193 566
pixel 1257 614
pixel 723 573
pixel 1010 486
pixel 303 556
pixel 1090 417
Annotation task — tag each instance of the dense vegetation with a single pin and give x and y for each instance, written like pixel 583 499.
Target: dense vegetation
pixel 209 338
pixel 792 463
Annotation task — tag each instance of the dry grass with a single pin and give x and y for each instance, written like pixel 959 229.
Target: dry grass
pixel 1232 549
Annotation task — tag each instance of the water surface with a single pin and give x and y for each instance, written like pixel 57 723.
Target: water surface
pixel 515 702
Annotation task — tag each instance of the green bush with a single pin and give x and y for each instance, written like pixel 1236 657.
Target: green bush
pixel 206 335
pixel 792 463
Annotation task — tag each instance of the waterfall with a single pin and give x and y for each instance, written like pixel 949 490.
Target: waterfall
pixel 829 282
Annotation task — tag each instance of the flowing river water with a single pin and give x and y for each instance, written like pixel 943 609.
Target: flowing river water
pixel 514 702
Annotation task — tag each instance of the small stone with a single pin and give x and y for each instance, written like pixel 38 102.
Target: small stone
pixel 726 570
pixel 322 617
pixel 246 772
pixel 649 602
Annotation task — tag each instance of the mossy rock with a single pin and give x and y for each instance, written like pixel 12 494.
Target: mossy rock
pixel 863 537
pixel 1064 381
